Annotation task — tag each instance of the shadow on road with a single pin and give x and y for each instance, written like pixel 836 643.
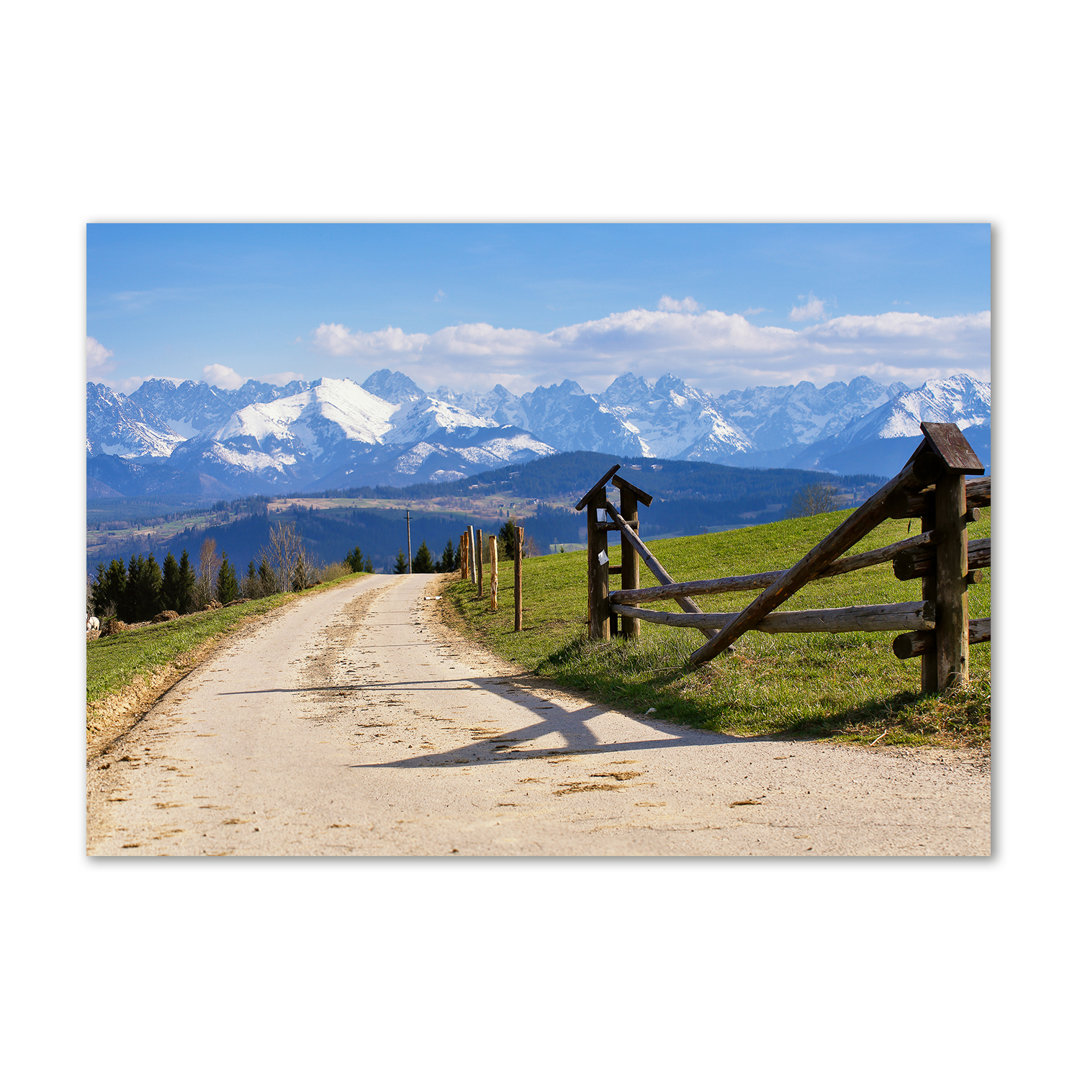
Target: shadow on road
pixel 570 726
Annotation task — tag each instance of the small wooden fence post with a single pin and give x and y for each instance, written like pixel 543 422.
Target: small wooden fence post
pixel 599 608
pixel 472 554
pixel 463 555
pixel 493 558
pixel 479 564
pixel 630 570
pixel 519 551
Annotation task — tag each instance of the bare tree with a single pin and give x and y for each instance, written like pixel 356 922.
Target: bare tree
pixel 815 499
pixel 209 565
pixel 283 550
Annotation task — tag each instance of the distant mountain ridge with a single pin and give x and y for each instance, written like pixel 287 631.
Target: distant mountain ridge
pixel 192 438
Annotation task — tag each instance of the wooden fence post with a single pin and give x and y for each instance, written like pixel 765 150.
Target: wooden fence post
pixel 631 561
pixel 928 662
pixel 472 554
pixel 593 503
pixel 519 551
pixel 599 608
pixel 951 603
pixel 479 564
pixel 493 558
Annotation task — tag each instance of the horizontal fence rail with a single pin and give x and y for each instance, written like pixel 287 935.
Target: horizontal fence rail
pixel 918 615
pixel 752 582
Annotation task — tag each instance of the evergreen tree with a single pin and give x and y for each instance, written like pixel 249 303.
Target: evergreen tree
pixel 152 588
pixel 250 584
pixel 141 599
pixel 300 579
pixel 170 584
pixel 508 539
pixel 368 568
pixel 186 593
pixel 108 589
pixel 423 562
pixel 267 584
pixel 355 561
pixel 400 565
pixel 227 588
pixel 451 559
pixel 128 605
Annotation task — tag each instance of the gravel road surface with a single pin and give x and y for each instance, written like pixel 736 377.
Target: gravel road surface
pixel 352 723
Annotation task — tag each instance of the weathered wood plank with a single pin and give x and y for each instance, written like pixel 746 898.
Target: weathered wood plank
pixel 652 562
pixel 919 561
pixel 911 616
pixel 493 560
pixel 948 442
pixel 626 488
pixel 850 532
pixel 951 631
pixel 978 494
pixel 597 489
pixel 921 642
pixel 751 582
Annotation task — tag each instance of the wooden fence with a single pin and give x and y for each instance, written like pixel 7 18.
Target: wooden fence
pixel 932 487
pixel 471 550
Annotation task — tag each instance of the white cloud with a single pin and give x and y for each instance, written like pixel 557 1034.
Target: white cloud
pixel 97 360
pixel 712 349
pixel 687 303
pixel 439 296
pixel 812 309
pixel 281 378
pixel 225 377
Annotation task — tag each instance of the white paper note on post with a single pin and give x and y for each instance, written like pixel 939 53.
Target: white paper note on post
pixel 602 558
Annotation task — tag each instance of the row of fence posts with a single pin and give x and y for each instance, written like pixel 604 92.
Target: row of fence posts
pixel 471 549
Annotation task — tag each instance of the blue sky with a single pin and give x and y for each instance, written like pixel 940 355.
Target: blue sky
pixel 470 305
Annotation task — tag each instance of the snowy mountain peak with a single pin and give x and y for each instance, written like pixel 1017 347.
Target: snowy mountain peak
pixel 393 386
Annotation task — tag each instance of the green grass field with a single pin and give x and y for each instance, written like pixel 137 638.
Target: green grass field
pixel 842 686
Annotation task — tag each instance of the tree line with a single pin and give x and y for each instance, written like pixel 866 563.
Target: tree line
pixel 143 588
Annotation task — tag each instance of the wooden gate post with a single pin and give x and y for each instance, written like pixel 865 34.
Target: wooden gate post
pixel 951 602
pixel 629 498
pixel 493 558
pixel 928 661
pixel 472 554
pixel 519 552
pixel 947 663
pixel 599 607
pixel 594 502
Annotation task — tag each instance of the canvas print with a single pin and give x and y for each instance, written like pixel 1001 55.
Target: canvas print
pixel 472 540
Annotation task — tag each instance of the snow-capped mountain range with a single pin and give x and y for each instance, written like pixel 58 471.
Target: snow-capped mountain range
pixel 188 437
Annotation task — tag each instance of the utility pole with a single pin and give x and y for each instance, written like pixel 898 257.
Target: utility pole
pixel 408 533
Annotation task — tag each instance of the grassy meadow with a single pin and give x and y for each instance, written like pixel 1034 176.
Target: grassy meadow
pixel 848 687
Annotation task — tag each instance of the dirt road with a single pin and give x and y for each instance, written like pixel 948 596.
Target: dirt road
pixel 344 725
